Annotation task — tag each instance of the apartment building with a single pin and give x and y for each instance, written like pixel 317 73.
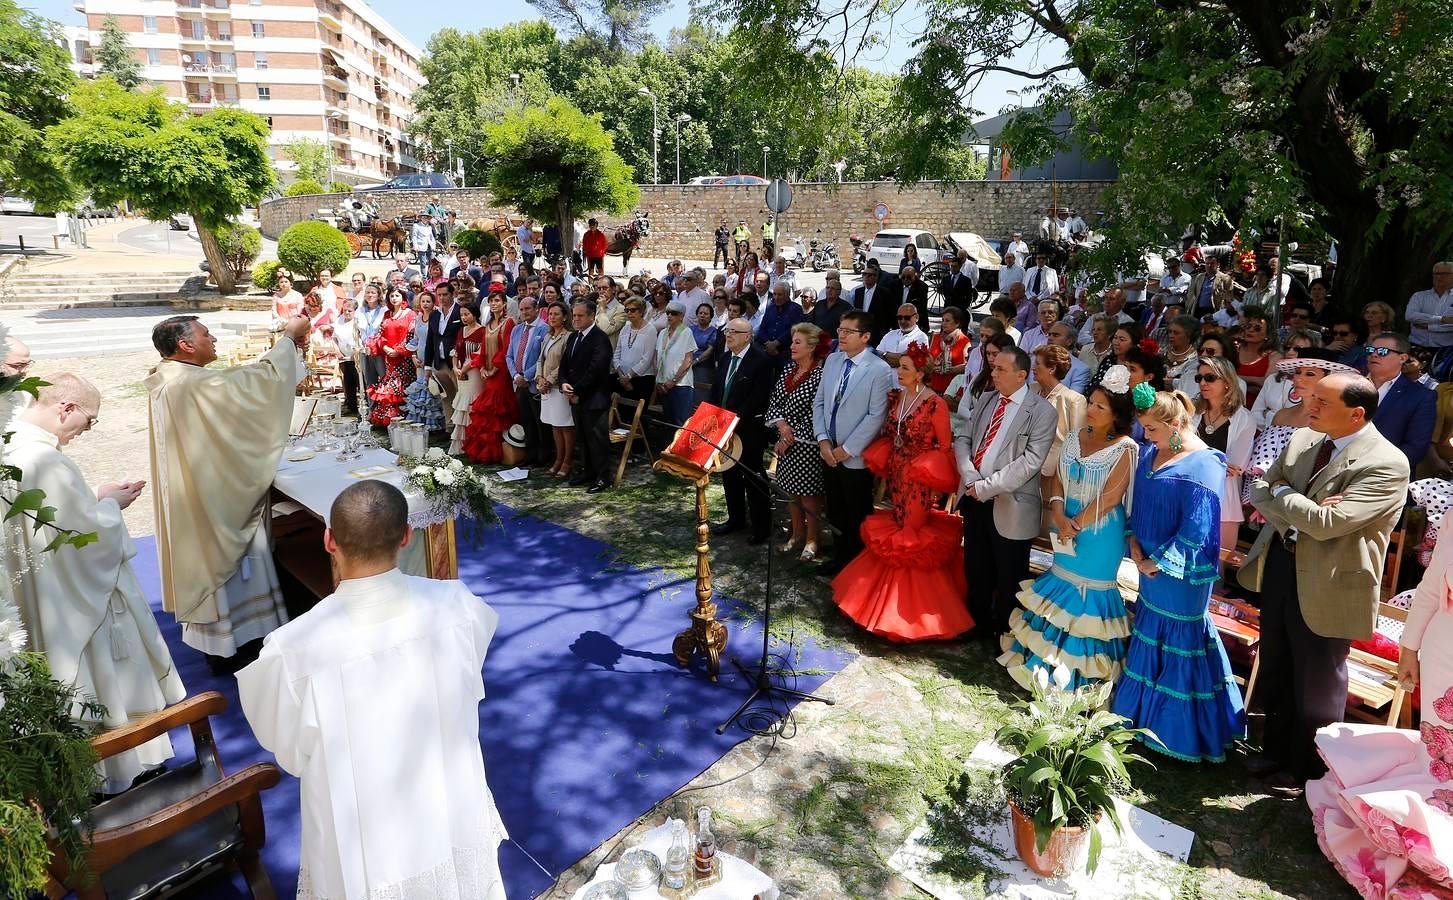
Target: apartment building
pixel 330 70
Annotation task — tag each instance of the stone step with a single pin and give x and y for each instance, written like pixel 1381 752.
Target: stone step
pixel 97 290
pixel 121 300
pixel 86 278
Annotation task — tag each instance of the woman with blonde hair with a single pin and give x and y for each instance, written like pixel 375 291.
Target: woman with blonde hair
pixel 789 413
pixel 1177 680
pixel 1223 422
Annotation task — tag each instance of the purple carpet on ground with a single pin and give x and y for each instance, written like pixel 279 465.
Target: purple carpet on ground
pixel 587 721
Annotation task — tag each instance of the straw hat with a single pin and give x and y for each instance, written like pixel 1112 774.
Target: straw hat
pixel 515 437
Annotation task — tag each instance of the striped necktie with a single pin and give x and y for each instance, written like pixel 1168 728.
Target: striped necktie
pixel 993 431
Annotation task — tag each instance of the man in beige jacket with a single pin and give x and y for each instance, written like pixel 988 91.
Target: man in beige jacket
pixel 1331 500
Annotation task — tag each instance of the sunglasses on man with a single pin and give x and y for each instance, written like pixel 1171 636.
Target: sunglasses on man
pixel 1381 351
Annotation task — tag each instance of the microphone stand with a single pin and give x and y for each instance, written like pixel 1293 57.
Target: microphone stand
pixel 761 679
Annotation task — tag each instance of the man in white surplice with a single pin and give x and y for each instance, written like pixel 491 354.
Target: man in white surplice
pixel 372 699
pixel 216 438
pixel 82 607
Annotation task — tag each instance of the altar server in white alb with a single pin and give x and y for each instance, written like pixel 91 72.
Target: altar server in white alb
pixel 82 607
pixel 372 699
pixel 216 438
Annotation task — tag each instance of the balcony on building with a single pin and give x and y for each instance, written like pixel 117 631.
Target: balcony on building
pixel 220 38
pixel 196 70
pixel 200 99
pixel 190 9
pixel 217 8
pixel 335 77
pixel 223 72
pixel 328 15
pixel 191 40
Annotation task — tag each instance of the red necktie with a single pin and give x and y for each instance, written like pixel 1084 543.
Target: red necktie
pixel 1324 456
pixel 520 350
pixel 993 431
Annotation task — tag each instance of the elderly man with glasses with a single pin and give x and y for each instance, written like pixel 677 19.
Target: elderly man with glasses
pixel 1430 313
pixel 743 385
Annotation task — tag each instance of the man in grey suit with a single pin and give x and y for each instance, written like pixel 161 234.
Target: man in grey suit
pixel 1332 498
pixel 847 415
pixel 1009 435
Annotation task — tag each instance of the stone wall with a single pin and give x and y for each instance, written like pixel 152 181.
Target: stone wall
pixel 683 217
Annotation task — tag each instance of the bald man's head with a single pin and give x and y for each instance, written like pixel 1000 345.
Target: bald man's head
pixel 70 388
pixel 369 520
pixel 14 357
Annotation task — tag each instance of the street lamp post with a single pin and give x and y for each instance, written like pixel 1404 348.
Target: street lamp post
pixel 680 120
pixel 765 150
pixel 449 153
pixel 655 133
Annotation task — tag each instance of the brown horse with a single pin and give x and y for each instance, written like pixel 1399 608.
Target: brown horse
pixel 628 237
pixel 387 230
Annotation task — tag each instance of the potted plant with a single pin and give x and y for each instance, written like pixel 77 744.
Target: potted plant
pixel 1070 767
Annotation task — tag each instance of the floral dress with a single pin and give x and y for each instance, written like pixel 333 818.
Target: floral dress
pixel 388 396
pixel 908 582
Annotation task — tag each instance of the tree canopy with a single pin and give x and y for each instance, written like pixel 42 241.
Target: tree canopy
pixel 310 157
pixel 138 146
pixel 1228 113
pixel 35 82
pixel 614 24
pixel 553 160
pixel 113 56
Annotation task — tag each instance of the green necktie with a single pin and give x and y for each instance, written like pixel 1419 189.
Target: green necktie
pixel 731 370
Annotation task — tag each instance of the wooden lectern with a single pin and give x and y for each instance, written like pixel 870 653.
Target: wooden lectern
pixel 695 455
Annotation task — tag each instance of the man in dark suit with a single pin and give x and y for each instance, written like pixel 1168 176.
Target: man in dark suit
pixel 911 289
pixel 585 379
pixel 1407 412
pixel 743 384
pixel 444 325
pixel 958 286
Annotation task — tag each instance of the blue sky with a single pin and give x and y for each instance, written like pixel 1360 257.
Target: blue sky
pixel 419 22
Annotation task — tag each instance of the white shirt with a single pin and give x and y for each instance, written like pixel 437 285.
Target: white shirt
pixel 1176 285
pixel 421 236
pixel 898 340
pixel 1425 309
pixel 1048 284
pixel 1086 335
pixel 1034 337
pixel 1010 275
pixel 635 352
pixel 1077 225
pixel 867 297
pixel 1011 412
pixel 970 270
pixel 1383 388
pixel 1020 251
pixel 694 298
pixel 671 350
pixel 785 277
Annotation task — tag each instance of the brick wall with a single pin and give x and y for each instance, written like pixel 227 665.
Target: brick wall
pixel 684 217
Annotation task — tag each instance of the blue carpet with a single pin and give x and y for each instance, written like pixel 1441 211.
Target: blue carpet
pixel 587 722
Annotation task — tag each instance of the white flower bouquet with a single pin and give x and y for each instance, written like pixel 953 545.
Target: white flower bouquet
pixel 452 488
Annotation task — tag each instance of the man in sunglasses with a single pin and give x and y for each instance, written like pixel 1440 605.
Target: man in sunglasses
pixel 895 342
pixel 1406 411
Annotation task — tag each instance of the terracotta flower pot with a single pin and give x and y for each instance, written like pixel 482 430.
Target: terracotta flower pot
pixel 1067 852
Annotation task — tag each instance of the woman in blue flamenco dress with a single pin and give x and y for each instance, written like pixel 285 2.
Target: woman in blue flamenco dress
pixel 1074 614
pixel 1177 680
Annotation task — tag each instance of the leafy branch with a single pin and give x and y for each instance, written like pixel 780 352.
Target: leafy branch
pixel 31 505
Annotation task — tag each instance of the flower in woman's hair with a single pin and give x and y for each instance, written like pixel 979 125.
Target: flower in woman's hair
pixel 1143 395
pixel 1149 346
pixel 1116 380
pixel 918 352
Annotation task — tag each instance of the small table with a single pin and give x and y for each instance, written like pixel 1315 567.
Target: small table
pixel 740 880
pixel 310 487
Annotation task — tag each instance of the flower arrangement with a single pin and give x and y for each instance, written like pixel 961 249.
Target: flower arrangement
pixel 1071 766
pixel 454 489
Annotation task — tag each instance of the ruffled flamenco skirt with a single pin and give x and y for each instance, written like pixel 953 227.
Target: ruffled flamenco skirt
pixel 463 399
pixel 1381 814
pixel 490 416
pixel 1067 620
pixel 423 407
pixel 907 584
pixel 388 397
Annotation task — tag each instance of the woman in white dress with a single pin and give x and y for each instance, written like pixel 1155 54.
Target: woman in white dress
pixel 1223 422
pixel 554 406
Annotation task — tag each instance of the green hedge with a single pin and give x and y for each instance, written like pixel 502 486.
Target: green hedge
pixel 303 186
pixel 240 244
pixel 309 247
pixel 340 187
pixel 478 244
pixel 264 274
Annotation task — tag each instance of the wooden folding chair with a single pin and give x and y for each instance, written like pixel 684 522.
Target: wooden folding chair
pixel 627 435
pixel 1372 682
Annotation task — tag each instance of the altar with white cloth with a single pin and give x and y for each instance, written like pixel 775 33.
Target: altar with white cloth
pixel 304 490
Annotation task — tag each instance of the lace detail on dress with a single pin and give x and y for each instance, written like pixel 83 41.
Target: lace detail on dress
pixel 1087 484
pixel 471 874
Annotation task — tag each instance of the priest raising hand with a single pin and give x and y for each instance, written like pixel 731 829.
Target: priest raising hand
pixel 216 438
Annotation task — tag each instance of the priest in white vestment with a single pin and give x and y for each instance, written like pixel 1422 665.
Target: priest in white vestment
pixel 82 606
pixel 372 700
pixel 216 438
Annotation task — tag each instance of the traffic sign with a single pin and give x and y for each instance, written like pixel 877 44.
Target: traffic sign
pixel 779 195
pixel 880 212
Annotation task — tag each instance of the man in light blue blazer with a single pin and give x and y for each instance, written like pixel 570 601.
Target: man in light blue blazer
pixel 847 416
pixel 523 360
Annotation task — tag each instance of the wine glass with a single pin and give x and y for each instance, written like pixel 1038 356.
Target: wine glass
pixel 365 439
pixel 324 426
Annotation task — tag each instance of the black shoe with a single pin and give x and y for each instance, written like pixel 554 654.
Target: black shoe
pixel 578 480
pixel 597 488
pixel 724 528
pixel 1260 765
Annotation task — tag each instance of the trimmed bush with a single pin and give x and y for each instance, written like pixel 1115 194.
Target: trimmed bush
pixel 240 244
pixel 309 247
pixel 303 186
pixel 340 187
pixel 478 244
pixel 264 274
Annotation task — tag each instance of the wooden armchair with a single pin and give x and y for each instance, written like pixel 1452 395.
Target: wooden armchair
pixel 185 825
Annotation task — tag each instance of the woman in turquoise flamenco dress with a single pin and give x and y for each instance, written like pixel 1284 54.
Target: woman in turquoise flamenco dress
pixel 1074 614
pixel 1177 680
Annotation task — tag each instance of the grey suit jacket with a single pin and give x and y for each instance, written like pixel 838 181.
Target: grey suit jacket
pixel 863 407
pixel 1340 549
pixel 1010 476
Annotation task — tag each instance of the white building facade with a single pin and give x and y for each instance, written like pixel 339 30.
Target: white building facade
pixel 331 70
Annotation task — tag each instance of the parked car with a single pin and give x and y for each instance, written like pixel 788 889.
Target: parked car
pixel 742 179
pixel 707 179
pixel 16 205
pixel 887 247
pixel 413 181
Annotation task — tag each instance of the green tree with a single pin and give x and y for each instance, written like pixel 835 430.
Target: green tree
pixel 310 157
pixel 138 146
pixel 616 24
pixel 240 244
pixel 33 96
pixel 114 58
pixel 308 248
pixel 303 186
pixel 551 161
pixel 1329 118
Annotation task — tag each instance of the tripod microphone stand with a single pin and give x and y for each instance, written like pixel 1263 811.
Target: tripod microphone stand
pixel 761 680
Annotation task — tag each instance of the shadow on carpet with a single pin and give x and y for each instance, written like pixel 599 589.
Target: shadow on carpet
pixel 587 721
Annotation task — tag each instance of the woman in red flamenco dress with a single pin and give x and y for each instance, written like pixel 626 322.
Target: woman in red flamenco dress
pixel 495 409
pixel 908 583
pixel 387 397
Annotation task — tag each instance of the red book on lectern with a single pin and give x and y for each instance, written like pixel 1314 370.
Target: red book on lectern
pixel 707 426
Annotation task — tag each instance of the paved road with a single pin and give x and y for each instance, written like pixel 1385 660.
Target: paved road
pixel 57 333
